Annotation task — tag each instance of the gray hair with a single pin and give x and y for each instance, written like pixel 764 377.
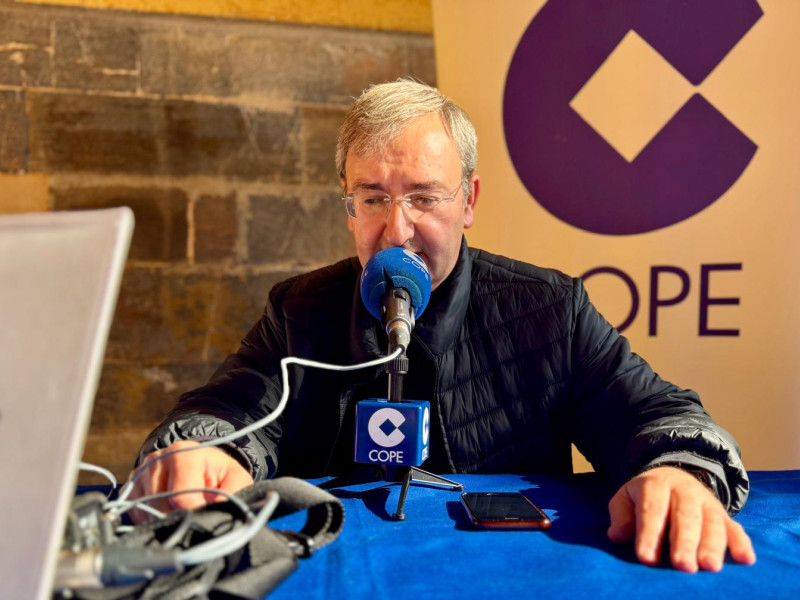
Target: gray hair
pixel 382 112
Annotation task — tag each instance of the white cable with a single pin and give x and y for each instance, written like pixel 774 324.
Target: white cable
pixel 233 540
pixel 121 506
pixel 149 509
pixel 264 421
pixel 84 466
pixel 238 537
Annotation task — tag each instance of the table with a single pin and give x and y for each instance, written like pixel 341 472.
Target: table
pixel 435 553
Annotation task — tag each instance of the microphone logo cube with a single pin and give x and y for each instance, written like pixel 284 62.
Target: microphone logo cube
pixel 396 433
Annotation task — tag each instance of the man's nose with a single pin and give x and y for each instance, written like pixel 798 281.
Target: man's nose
pixel 399 226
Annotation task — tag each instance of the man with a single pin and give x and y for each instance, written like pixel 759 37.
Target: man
pixel 515 360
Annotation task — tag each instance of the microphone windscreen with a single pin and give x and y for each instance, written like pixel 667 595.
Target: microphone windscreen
pixel 403 269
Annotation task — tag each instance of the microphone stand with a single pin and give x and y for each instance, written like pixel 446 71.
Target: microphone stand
pixel 400 337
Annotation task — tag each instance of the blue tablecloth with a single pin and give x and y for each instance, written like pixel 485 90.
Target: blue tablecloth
pixel 435 553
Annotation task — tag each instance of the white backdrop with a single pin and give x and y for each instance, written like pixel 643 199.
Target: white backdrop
pixel 633 144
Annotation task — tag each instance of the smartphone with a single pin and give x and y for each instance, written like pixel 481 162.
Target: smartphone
pixel 503 510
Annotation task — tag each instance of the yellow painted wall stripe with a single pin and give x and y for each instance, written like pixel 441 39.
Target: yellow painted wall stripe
pixel 387 15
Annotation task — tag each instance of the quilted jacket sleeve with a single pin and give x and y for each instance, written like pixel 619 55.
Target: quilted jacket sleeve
pixel 628 419
pixel 244 389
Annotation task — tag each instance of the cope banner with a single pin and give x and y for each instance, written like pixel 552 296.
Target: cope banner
pixel 651 149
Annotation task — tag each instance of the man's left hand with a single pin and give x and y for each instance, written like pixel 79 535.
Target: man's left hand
pixel 668 498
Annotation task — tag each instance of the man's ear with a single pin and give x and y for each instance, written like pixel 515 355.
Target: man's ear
pixel 472 200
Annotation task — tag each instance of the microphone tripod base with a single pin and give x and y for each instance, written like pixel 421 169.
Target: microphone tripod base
pixel 423 477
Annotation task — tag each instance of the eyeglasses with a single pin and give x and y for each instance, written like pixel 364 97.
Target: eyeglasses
pixel 374 205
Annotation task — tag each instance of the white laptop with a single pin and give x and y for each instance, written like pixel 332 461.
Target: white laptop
pixel 59 277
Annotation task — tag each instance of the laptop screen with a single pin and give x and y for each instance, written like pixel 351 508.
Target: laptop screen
pixel 59 277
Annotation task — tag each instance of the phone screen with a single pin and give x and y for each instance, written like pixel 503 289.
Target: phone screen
pixel 504 510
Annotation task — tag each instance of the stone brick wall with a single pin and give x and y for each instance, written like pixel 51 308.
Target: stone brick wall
pixel 219 134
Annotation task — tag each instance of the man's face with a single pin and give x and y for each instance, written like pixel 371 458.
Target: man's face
pixel 422 157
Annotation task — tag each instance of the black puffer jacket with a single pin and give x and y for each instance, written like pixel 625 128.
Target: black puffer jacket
pixel 517 364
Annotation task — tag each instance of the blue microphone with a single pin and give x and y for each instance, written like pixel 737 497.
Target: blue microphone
pixel 395 289
pixel 394 433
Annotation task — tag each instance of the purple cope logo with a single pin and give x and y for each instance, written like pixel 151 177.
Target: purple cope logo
pixel 569 168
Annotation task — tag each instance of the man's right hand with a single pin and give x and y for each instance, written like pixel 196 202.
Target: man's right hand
pixel 202 468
